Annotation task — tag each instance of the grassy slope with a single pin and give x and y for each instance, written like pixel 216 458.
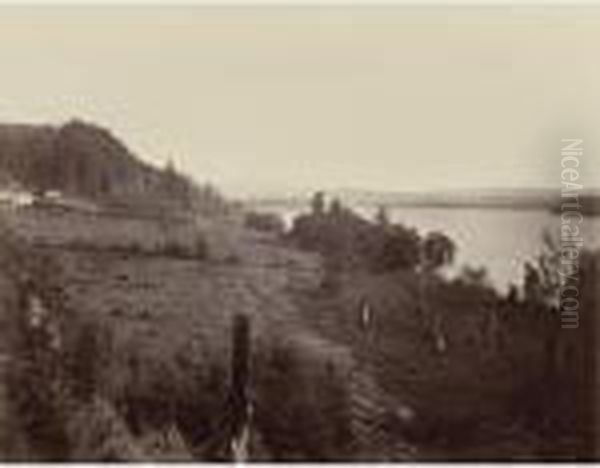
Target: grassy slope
pixel 169 322
pixel 12 440
pixel 459 397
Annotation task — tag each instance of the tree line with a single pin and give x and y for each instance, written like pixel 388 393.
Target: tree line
pixel 348 240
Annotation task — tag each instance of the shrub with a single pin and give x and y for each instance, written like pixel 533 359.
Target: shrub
pixel 397 248
pixel 475 276
pixel 86 346
pixel 33 383
pixel 348 241
pixel 264 222
pixel 201 247
pixel 134 248
pixel 315 401
pixel 173 249
pixel 196 249
pixel 438 250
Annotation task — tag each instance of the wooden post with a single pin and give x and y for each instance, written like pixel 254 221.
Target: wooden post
pixel 240 376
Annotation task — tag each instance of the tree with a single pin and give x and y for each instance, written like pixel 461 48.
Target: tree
pixel 318 204
pixel 438 250
pixel 474 276
pixel 397 249
pixel 532 284
pixel 512 295
pixel 542 280
pixel 335 208
pixel 265 222
pixel 382 217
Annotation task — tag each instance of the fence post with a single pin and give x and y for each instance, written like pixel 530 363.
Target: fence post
pixel 240 376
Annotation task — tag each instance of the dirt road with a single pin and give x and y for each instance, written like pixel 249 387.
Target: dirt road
pixel 266 293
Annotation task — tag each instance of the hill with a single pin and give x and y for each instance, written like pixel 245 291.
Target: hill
pixel 83 160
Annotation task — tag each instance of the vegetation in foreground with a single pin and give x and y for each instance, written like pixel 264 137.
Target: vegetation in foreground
pixel 129 360
pixel 156 377
pixel 508 382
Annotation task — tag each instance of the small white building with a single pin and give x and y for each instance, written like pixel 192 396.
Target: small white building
pixel 15 197
pixel 54 195
pixel 55 199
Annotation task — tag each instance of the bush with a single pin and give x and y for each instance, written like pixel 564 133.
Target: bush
pixel 196 249
pixel 313 421
pixel 87 346
pixel 201 247
pixel 173 249
pixel 348 241
pixel 134 248
pixel 397 248
pixel 264 222
pixel 34 384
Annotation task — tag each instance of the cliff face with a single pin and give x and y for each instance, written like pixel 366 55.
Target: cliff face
pixel 84 160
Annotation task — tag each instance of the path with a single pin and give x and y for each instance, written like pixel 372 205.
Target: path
pixel 264 294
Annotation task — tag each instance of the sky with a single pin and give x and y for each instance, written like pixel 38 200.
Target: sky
pixel 260 100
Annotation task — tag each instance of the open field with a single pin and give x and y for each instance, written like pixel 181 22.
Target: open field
pixel 169 322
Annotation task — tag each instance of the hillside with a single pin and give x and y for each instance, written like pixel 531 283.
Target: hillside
pixel 83 160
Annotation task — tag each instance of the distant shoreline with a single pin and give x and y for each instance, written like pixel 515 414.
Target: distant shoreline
pixel 552 208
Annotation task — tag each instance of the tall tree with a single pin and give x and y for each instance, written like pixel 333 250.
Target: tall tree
pixel 382 217
pixel 438 250
pixel 318 204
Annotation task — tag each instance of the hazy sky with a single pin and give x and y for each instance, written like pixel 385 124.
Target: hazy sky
pixel 264 98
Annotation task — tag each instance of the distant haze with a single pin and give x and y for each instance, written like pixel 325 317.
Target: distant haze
pixel 261 100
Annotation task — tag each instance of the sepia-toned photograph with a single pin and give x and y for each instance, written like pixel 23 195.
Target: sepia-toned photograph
pixel 286 233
